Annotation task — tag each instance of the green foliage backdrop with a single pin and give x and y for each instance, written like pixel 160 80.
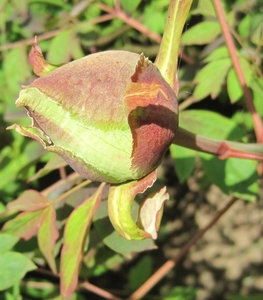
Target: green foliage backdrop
pixel 211 103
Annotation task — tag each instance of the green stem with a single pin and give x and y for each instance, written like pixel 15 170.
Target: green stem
pixel 223 149
pixel 167 57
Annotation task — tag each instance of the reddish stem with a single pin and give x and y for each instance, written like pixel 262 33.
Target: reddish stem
pixel 258 125
pixel 171 263
pixel 118 13
pixel 98 291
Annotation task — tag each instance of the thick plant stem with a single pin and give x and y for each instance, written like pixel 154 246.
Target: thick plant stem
pixel 221 148
pixel 167 57
pixel 258 125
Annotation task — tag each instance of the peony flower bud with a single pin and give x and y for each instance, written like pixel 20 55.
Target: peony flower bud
pixel 110 115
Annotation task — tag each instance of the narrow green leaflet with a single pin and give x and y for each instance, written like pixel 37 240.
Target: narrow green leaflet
pixel 218 53
pixel 12 161
pixel 30 200
pixel 210 78
pixel 60 50
pixel 234 89
pixel 7 241
pixel 205 8
pixel 75 234
pixel 16 68
pixel 25 225
pixel 14 266
pixel 210 124
pixel 130 5
pixel 47 236
pixel 201 33
pixel 184 161
pixel 54 163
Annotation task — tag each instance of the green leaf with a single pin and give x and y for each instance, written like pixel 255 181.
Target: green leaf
pixel 234 89
pixel 14 266
pixel 54 163
pixel 204 8
pixel 47 236
pixel 25 225
pixel 7 241
pixel 184 161
pixel 130 5
pixel 16 68
pixel 257 88
pixel 210 124
pixel 13 162
pixel 139 273
pixel 181 293
pixel 210 79
pixel 60 49
pixel 154 17
pixel 59 3
pixel 75 234
pixel 30 200
pixel 111 238
pixel 251 27
pixel 233 176
pixel 202 33
pixel 218 53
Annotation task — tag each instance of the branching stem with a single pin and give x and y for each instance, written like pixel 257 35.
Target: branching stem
pixel 258 125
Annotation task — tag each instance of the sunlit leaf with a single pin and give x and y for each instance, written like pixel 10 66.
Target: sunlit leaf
pixel 233 86
pixel 60 49
pixel 210 124
pixel 184 161
pixel 25 225
pixel 7 241
pixel 154 18
pixel 130 5
pixel 233 176
pixel 16 68
pixel 75 234
pixel 30 200
pixel 210 79
pixel 14 266
pixel 54 163
pixel 202 33
pixel 218 53
pixel 47 236
pixel 205 8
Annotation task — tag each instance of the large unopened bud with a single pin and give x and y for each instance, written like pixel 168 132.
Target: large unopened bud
pixel 110 115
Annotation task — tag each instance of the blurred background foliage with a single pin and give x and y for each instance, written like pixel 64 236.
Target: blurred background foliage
pixel 211 103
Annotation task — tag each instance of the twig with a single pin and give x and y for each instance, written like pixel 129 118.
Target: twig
pixel 165 268
pixel 118 13
pixel 258 125
pixel 98 291
pixel 50 34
